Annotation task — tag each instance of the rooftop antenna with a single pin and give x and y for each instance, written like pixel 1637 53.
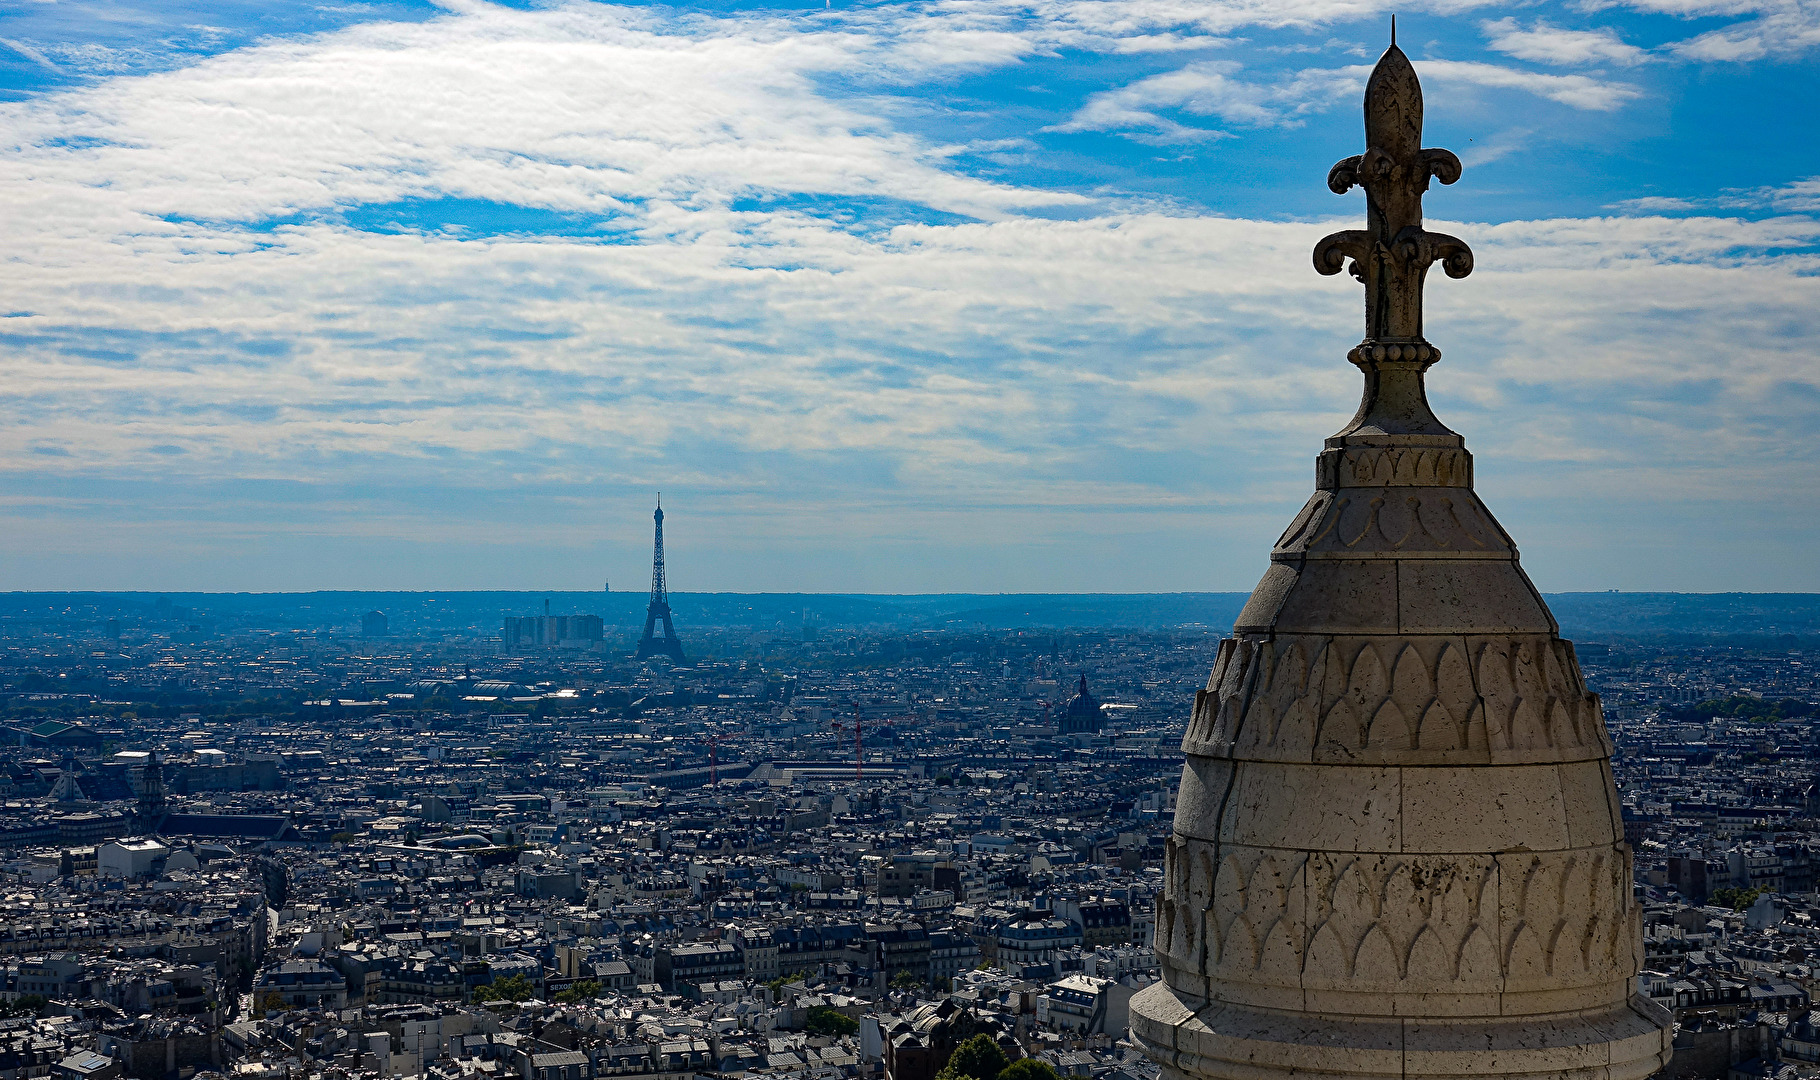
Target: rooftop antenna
pixel 1393 31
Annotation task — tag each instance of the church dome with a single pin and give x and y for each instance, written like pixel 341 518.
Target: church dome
pixel 1083 711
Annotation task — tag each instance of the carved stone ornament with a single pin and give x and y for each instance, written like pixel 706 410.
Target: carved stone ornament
pixel 1397 848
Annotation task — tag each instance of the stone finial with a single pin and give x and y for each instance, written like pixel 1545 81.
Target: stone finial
pixel 1392 254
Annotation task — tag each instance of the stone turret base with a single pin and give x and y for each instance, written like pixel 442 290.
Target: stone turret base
pixel 1194 1041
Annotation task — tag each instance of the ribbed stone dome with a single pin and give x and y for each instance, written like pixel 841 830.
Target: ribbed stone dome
pixel 1397 847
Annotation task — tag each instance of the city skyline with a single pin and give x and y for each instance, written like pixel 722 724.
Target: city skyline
pixel 888 298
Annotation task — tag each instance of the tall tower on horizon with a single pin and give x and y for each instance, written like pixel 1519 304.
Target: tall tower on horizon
pixel 651 644
pixel 1397 851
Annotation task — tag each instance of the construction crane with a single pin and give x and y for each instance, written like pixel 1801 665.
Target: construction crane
pixel 714 742
pixel 859 760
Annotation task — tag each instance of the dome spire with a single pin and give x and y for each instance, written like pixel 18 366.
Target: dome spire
pixel 1392 254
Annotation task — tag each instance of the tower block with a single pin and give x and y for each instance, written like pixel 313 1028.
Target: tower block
pixel 1397 851
pixel 650 644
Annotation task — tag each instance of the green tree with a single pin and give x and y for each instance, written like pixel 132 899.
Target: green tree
pixel 1736 899
pixel 1028 1069
pixel 825 1021
pixel 586 990
pixel 24 1005
pixel 905 980
pixel 511 988
pixel 978 1057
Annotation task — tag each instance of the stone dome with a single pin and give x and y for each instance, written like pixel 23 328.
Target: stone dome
pixel 1397 848
pixel 1083 711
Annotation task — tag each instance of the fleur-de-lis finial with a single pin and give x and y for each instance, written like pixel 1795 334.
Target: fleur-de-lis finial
pixel 1392 254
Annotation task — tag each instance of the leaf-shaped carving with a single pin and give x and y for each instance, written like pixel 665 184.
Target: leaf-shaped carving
pixel 1267 890
pixel 1607 902
pixel 1220 660
pixel 1453 681
pixel 1241 947
pixel 1452 252
pixel 1327 957
pixel 1427 958
pixel 1321 873
pixel 1477 958
pixel 1197 902
pixel 1570 694
pixel 1388 728
pixel 1367 682
pixel 1438 730
pixel 1397 520
pixel 1498 693
pixel 1332 253
pixel 1369 512
pixel 1341 725
pixel 1296 722
pixel 1590 942
pixel 1344 902
pixel 1525 956
pixel 1404 908
pixel 1308 519
pixel 1409 680
pixel 1281 948
pixel 1411 691
pixel 1375 953
pixel 1438 163
pixel 1207 702
pixel 1286 683
pixel 1344 174
pixel 1561 723
pixel 1229 902
pixel 1529 723
pixel 1471 525
pixel 1366 688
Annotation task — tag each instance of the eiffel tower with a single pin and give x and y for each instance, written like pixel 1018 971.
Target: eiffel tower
pixel 651 644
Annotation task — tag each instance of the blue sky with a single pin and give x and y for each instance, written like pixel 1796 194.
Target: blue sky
pixel 895 297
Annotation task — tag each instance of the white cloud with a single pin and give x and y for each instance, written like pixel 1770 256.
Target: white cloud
pixel 1795 197
pixel 1547 44
pixel 1781 28
pixel 35 55
pixel 1789 32
pixel 1655 204
pixel 1575 91
pixel 568 110
pixel 1210 89
pixel 769 360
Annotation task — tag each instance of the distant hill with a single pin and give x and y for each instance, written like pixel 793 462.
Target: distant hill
pixel 1654 614
pixel 1582 615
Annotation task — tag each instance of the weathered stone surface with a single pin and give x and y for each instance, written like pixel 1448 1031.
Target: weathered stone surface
pixel 1397 847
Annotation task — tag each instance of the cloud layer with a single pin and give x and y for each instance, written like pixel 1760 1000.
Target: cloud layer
pixel 439 302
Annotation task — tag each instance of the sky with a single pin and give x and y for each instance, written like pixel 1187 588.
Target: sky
pixel 928 296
